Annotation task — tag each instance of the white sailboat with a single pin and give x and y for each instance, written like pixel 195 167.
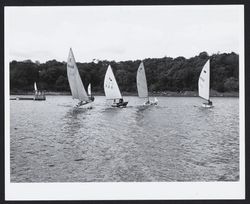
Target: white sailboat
pixel 35 87
pixel 111 89
pixel 75 82
pixel 89 89
pixel 204 85
pixel 89 93
pixel 142 87
pixel 39 95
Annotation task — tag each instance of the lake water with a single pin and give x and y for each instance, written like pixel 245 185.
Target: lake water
pixel 178 140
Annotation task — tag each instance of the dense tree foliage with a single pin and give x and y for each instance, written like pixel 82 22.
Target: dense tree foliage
pixel 163 74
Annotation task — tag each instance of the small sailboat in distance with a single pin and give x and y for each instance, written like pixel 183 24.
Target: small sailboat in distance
pixel 142 87
pixel 111 89
pixel 204 85
pixel 39 95
pixel 92 98
pixel 35 87
pixel 75 82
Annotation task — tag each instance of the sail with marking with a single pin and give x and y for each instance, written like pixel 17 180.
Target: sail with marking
pixel 35 87
pixel 75 82
pixel 141 80
pixel 89 89
pixel 204 81
pixel 111 88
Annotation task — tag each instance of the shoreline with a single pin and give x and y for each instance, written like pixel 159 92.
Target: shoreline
pixel 165 93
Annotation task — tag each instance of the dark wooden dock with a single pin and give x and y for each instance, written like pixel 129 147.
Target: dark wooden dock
pixel 29 98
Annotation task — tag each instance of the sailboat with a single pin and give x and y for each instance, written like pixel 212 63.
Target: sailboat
pixel 75 82
pixel 111 89
pixel 89 93
pixel 35 87
pixel 204 85
pixel 142 87
pixel 39 95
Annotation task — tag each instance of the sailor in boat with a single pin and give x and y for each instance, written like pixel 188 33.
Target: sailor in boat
pixel 210 103
pixel 148 102
pixel 91 98
pixel 120 103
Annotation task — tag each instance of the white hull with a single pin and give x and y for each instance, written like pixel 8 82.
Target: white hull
pixel 205 105
pixel 84 104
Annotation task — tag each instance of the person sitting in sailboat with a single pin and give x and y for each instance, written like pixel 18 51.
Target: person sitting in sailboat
pixel 91 98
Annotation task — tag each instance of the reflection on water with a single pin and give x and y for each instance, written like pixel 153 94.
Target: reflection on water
pixel 175 141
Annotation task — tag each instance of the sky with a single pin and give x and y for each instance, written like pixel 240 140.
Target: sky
pixel 120 32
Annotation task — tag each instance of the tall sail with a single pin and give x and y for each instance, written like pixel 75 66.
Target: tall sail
pixel 204 81
pixel 111 88
pixel 142 82
pixel 75 82
pixel 89 89
pixel 35 87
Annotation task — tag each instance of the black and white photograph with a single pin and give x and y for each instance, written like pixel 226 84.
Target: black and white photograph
pixel 134 102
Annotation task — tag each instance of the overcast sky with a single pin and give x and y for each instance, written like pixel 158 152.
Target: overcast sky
pixel 121 32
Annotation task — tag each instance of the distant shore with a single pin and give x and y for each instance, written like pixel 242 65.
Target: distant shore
pixel 163 93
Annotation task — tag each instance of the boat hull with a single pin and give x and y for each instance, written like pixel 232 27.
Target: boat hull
pixel 150 103
pixel 84 103
pixel 206 105
pixel 121 105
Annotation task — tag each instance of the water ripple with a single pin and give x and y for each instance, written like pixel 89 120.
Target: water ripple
pixel 177 140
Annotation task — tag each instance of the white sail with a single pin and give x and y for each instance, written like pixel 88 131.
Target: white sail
pixel 35 87
pixel 75 82
pixel 89 89
pixel 204 81
pixel 111 88
pixel 142 82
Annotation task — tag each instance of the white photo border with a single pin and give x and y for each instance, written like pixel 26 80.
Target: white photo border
pixel 127 190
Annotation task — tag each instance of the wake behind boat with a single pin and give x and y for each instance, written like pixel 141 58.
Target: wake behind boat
pixel 142 86
pixel 204 85
pixel 112 91
pixel 75 82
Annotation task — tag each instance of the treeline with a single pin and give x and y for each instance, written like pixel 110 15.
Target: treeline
pixel 163 74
